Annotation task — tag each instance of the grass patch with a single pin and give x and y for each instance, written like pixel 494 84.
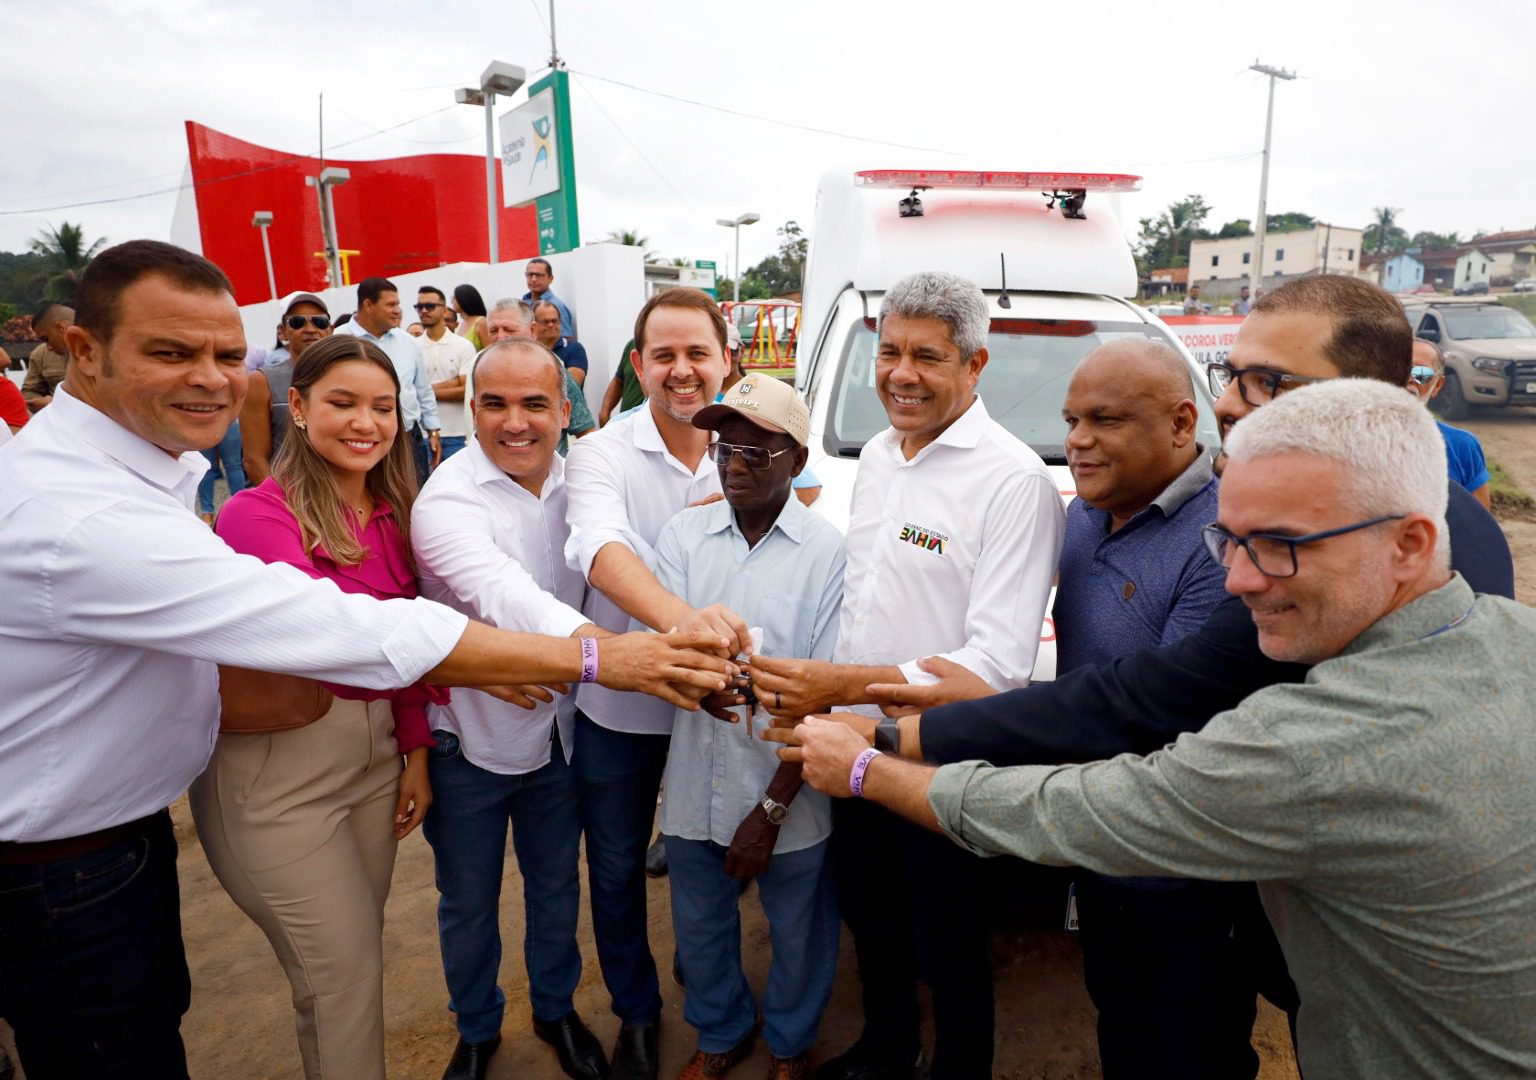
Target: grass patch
pixel 1525 303
pixel 1510 500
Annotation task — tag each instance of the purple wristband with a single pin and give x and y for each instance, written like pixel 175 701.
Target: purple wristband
pixel 589 659
pixel 856 774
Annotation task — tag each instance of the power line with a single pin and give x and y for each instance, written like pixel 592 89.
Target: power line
pixel 585 89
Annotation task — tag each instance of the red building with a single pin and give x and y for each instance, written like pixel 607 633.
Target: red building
pixel 398 214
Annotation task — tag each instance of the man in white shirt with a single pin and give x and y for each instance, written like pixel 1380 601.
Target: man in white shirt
pixel 953 538
pixel 489 533
pixel 119 604
pixel 378 319
pixel 626 481
pixel 448 358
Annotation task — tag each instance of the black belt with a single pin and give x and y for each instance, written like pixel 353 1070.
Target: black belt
pixel 17 853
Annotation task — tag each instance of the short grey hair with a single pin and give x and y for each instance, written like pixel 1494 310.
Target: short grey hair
pixel 524 345
pixel 1386 440
pixel 949 298
pixel 521 308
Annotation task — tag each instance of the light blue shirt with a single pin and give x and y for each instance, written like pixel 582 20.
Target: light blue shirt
pixel 791 586
pixel 418 404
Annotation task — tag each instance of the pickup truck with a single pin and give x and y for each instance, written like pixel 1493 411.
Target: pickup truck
pixel 1490 353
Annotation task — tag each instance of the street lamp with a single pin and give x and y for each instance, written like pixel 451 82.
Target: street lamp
pixel 330 177
pixel 736 224
pixel 262 220
pixel 506 80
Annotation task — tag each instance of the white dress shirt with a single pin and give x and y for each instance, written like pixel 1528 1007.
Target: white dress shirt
pixel 418 404
pixel 448 359
pixel 951 553
pixel 118 604
pixel 490 548
pixel 624 487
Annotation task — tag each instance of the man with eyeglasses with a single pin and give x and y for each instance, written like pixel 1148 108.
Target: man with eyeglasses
pixel 264 416
pixel 1309 330
pixel 448 358
pixel 730 812
pixel 546 327
pixel 1384 806
pixel 540 274
pixel 1464 454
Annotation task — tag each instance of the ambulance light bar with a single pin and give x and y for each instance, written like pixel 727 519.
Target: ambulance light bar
pixel 1027 181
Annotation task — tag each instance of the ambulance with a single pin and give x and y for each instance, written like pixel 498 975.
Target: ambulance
pixel 1049 252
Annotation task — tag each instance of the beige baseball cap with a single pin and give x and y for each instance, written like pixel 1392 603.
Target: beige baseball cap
pixel 767 402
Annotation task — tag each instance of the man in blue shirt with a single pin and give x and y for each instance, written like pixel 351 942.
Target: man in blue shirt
pixel 1464 454
pixel 730 812
pixel 378 320
pixel 547 321
pixel 538 274
pixel 1135 574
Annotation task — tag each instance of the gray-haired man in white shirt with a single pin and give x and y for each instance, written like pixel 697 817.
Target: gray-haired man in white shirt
pixel 953 538
pixel 119 604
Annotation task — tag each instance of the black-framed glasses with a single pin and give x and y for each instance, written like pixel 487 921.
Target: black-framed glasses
pixel 1422 374
pixel 755 456
pixel 1271 554
pixel 319 322
pixel 429 306
pixel 1258 386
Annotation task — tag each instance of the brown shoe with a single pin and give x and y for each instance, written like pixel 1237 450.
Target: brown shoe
pixel 790 1068
pixel 710 1066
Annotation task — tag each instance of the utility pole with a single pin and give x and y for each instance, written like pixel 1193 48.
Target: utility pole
pixel 555 63
pixel 1261 225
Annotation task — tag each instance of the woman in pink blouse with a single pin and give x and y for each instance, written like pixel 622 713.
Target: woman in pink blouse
pixel 300 818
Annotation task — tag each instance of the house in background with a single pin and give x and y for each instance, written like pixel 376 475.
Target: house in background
pixel 1398 273
pixel 1511 255
pixel 1224 265
pixel 1455 268
pixel 1166 280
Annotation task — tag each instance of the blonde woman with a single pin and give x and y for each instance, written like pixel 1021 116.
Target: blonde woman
pixel 300 819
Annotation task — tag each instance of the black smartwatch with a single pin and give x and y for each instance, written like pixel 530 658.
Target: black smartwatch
pixel 888 736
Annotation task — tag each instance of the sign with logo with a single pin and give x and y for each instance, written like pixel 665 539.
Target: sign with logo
pixel 696 277
pixel 1209 338
pixel 923 538
pixel 529 150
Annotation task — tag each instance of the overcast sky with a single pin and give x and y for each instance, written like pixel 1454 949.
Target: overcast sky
pixel 1413 104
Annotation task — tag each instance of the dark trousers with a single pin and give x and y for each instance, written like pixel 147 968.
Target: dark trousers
pixel 93 977
pixel 467 828
pixel 1175 970
pixel 915 905
pixel 421 454
pixel 618 776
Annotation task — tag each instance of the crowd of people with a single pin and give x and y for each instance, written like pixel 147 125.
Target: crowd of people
pixel 1285 747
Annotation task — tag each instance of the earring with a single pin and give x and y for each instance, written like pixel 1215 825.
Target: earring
pixel 298 422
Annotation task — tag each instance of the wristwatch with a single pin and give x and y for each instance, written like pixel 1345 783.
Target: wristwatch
pixel 888 736
pixel 775 810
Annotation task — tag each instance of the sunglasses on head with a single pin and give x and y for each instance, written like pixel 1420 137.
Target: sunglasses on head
pixel 428 307
pixel 319 322
pixel 1422 374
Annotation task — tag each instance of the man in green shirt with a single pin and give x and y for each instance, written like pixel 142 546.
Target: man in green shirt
pixel 1385 806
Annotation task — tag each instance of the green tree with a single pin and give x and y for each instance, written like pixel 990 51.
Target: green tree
pixel 67 255
pixel 1383 234
pixel 632 238
pixel 1291 221
pixel 1433 241
pixel 1165 239
pixel 782 272
pixel 1240 227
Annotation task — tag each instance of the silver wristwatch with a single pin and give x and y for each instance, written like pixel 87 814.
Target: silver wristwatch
pixel 775 810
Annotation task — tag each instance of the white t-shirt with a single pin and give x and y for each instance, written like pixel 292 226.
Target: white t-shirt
pixel 446 359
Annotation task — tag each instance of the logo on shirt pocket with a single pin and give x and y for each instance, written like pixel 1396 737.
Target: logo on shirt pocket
pixel 924 538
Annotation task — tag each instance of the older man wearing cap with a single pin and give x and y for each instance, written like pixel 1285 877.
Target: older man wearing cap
pixel 264 416
pixel 729 810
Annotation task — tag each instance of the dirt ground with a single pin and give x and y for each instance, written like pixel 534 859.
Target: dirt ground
pixel 241 1024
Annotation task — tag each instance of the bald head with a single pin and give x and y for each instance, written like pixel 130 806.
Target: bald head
pixel 1130 414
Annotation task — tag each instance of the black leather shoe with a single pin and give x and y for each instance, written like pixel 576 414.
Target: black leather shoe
pixel 471 1060
pixel 859 1063
pixel 656 859
pixel 634 1055
pixel 581 1055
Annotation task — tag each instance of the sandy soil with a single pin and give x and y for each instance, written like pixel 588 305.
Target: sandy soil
pixel 241 1024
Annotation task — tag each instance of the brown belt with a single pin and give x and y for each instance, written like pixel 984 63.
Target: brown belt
pixel 16 853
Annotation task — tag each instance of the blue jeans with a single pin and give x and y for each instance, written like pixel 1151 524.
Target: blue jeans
pixel 618 776
pixel 225 456
pixel 93 977
pixel 801 904
pixel 467 828
pixel 452 444
pixel 421 452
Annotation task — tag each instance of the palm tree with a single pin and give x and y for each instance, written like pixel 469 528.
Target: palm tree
pixel 65 250
pixel 1385 225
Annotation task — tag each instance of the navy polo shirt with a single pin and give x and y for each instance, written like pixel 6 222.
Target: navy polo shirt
pixel 1150 583
pixel 571 353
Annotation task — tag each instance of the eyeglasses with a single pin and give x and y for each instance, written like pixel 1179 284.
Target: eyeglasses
pixel 1258 386
pixel 548 322
pixel 1273 555
pixel 319 322
pixel 427 307
pixel 1423 374
pixel 755 456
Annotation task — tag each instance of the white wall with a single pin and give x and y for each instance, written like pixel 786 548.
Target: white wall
pixel 604 284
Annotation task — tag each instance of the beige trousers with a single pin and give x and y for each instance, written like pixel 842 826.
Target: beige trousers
pixel 298 827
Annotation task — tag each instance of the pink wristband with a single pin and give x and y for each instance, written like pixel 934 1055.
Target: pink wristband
pixel 589 659
pixel 856 774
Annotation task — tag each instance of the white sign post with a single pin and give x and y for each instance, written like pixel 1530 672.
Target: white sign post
pixel 530 160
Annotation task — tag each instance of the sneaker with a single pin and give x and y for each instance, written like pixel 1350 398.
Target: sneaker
pixel 710 1066
pixel 790 1068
